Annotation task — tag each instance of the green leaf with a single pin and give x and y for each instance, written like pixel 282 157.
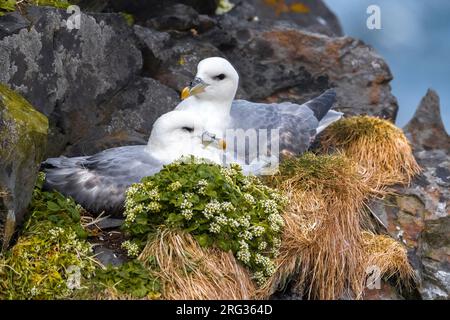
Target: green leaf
pixel 52 206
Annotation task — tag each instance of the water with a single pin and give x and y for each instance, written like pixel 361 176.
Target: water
pixel 414 40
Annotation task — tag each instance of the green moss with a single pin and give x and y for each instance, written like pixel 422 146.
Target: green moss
pixel 314 167
pixel 22 127
pixel 129 18
pixel 10 5
pixel 219 206
pixel 22 111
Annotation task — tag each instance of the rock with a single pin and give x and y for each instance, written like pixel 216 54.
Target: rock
pixel 419 214
pixel 311 15
pixel 108 257
pixel 87 83
pixel 426 129
pixel 177 17
pixel 12 23
pixel 127 117
pixel 109 223
pixel 386 291
pixel 147 9
pixel 23 137
pixel 435 253
pixel 171 61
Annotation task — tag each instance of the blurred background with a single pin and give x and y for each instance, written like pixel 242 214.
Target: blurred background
pixel 415 41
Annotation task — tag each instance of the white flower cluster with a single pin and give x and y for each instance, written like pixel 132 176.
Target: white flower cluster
pixel 262 246
pixel 215 207
pixel 55 233
pixel 259 277
pixel 270 206
pixel 132 210
pixel 246 235
pixel 227 206
pixel 244 221
pixel 258 231
pixel 212 208
pixel 249 198
pixel 214 227
pixel 276 221
pixel 187 203
pixel 131 247
pixel 153 206
pixel 187 214
pixel 152 193
pixel 243 254
pixel 201 186
pixel 174 186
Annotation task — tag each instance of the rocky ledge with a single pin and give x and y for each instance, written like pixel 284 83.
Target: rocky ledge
pixel 103 85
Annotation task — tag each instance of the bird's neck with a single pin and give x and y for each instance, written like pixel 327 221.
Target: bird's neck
pixel 214 115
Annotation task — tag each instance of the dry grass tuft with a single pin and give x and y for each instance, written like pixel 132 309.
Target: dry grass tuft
pixel 188 271
pixel 322 240
pixel 388 256
pixel 377 145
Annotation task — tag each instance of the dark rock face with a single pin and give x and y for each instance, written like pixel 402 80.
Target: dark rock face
pixel 311 15
pixel 23 137
pixel 80 78
pixel 420 214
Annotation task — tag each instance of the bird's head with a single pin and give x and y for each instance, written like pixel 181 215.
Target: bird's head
pixel 216 80
pixel 178 133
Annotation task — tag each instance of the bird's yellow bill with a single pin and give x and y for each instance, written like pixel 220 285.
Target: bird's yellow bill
pixel 185 93
pixel 222 144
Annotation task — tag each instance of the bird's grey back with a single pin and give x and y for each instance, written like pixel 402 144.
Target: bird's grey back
pixel 99 182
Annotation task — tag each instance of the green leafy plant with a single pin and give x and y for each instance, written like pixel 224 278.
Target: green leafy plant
pixel 130 280
pixel 51 244
pixel 219 206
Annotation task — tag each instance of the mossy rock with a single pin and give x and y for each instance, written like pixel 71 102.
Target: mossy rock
pixel 23 138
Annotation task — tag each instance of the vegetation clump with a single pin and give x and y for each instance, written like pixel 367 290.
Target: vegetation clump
pixel 219 206
pixel 321 244
pixel 52 243
pixel 131 280
pixel 377 145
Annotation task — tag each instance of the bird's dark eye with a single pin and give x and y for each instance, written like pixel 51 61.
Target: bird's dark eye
pixel 188 129
pixel 220 77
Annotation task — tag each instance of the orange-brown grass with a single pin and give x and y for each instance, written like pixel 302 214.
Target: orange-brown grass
pixel 188 271
pixel 377 145
pixel 388 256
pixel 322 240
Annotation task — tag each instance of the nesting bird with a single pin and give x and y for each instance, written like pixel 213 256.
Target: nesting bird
pixel 198 127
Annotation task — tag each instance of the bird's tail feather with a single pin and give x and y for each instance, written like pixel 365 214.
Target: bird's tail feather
pixel 322 104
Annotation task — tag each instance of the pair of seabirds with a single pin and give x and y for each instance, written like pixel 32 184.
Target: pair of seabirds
pixel 196 127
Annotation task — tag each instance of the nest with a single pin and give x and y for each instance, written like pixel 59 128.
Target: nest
pixel 190 272
pixel 375 144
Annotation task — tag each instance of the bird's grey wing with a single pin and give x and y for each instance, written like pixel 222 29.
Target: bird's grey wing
pixel 99 182
pixel 296 123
